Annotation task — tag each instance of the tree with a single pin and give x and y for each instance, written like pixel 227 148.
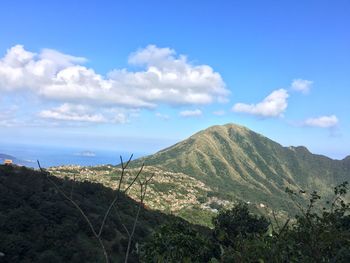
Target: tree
pixel 238 222
pixel 177 241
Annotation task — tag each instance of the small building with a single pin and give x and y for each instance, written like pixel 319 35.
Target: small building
pixel 8 162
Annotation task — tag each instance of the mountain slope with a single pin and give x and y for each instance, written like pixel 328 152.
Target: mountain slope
pixel 37 224
pixel 242 164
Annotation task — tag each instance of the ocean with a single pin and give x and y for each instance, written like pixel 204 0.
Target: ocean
pixel 56 156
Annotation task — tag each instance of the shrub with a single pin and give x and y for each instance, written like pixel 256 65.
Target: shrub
pixel 237 222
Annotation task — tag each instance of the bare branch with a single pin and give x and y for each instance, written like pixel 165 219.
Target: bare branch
pixel 143 190
pixel 135 178
pixel 118 190
pixel 284 227
pixel 78 208
pixel 276 221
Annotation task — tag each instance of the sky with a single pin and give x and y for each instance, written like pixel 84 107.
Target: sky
pixel 139 76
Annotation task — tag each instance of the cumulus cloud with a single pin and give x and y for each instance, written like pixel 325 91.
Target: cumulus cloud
pixel 191 113
pixel 164 79
pixel 322 121
pixel 69 112
pixel 272 106
pixel 302 85
pixel 60 58
pixel 21 69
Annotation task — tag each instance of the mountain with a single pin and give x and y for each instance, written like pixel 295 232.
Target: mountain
pixel 219 166
pixel 240 164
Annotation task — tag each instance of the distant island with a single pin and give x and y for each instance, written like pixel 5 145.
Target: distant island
pixel 86 154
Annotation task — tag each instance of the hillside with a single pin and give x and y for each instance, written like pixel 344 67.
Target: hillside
pixel 38 225
pixel 173 193
pixel 238 163
pixel 219 166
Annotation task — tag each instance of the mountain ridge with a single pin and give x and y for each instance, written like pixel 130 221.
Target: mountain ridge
pixel 249 166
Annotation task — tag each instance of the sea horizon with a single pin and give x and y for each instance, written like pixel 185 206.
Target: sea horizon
pixel 50 156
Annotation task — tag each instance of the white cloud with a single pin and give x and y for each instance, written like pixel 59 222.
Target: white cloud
pixel 191 113
pixel 301 85
pixel 21 69
pixel 272 106
pixel 8 115
pixel 322 121
pixel 152 56
pixel 165 79
pixel 8 122
pixel 162 116
pixel 83 113
pixel 60 58
pixel 120 118
pixel 69 112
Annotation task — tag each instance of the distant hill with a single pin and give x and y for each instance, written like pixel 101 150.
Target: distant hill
pixel 6 156
pixel 241 164
pixel 15 160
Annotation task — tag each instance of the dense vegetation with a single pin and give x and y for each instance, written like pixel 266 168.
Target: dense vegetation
pixel 37 224
pixel 239 236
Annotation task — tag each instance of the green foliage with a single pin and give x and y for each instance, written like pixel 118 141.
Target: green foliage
pixel 177 241
pixel 202 199
pixel 312 237
pixel 238 222
pixel 196 215
pixel 239 236
pixel 38 225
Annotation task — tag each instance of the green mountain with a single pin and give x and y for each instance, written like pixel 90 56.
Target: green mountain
pixel 239 164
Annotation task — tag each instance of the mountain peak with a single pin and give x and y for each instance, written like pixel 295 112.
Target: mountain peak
pixel 223 130
pixel 247 165
pixel 228 126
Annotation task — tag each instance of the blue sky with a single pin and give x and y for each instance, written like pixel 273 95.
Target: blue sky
pixel 142 75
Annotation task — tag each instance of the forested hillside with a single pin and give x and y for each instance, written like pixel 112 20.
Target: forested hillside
pixel 37 224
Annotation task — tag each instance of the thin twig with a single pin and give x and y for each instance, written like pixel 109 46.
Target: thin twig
pixel 135 178
pixel 118 192
pixel 276 221
pixel 143 190
pixel 284 227
pixel 79 209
